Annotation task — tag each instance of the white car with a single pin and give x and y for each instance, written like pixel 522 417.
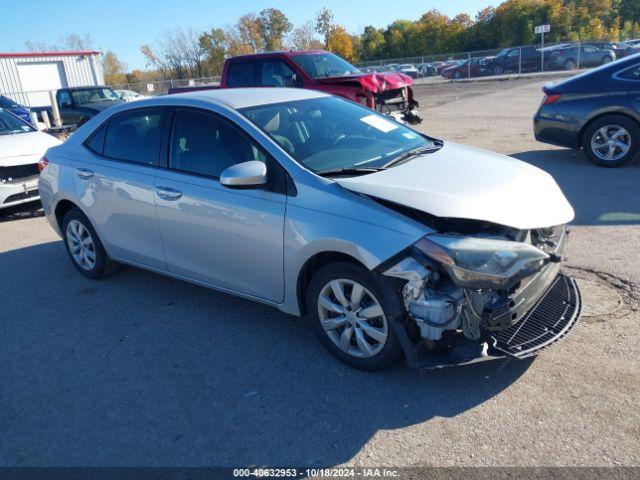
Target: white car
pixel 130 95
pixel 408 69
pixel 21 147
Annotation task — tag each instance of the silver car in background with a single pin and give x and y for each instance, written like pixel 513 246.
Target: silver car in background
pixel 390 241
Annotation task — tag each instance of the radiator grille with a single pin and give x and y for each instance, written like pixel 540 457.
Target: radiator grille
pixel 548 321
pixel 21 196
pixel 18 173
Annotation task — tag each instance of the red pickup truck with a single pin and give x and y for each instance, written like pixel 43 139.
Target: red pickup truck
pixel 386 92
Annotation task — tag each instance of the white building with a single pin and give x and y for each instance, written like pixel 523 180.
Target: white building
pixel 27 78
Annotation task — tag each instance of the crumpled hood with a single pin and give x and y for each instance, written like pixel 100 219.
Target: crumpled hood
pixel 23 148
pixel 465 182
pixel 374 82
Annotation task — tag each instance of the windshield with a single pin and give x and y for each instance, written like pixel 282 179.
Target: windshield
pixel 323 65
pixel 93 95
pixel 7 102
pixel 329 133
pixel 10 124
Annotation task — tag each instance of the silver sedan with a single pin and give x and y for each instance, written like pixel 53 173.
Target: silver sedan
pixel 390 241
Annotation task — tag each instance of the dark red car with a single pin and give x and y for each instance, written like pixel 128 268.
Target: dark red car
pixel 386 92
pixel 475 67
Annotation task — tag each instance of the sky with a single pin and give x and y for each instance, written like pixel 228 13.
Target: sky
pixel 122 26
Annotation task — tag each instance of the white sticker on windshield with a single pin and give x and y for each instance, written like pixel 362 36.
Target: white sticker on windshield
pixel 410 135
pixel 380 123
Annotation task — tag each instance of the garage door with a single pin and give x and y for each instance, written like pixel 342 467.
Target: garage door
pixel 38 78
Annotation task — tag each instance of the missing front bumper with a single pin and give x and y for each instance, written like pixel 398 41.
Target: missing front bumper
pixel 548 321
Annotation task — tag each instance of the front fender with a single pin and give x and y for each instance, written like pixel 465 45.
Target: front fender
pixel 310 232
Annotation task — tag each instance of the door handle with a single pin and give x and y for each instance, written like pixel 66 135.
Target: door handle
pixel 84 173
pixel 168 193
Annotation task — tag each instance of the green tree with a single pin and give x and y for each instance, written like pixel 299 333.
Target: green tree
pixel 372 43
pixel 114 70
pixel 324 24
pixel 273 25
pixel 214 46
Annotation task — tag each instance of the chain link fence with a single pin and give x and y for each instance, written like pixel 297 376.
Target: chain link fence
pixel 518 60
pixel 161 87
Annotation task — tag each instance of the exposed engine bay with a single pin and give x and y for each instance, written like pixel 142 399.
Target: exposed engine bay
pixel 444 296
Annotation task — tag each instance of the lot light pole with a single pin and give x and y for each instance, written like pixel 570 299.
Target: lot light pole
pixel 541 29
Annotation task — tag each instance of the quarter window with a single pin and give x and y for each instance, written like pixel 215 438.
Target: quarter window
pixel 96 142
pixel 632 73
pixel 206 145
pixel 134 137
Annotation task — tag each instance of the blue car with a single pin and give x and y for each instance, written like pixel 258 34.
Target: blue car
pixel 18 110
pixel 598 111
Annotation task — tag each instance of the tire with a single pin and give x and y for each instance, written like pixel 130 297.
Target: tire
pixel 611 127
pixel 457 75
pixel 606 59
pixel 383 352
pixel 90 258
pixel 498 70
pixel 570 64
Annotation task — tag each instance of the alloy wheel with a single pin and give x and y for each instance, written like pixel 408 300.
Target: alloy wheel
pixel 610 143
pixel 353 318
pixel 81 245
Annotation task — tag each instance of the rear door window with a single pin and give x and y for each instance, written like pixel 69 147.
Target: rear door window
pixel 135 136
pixel 242 74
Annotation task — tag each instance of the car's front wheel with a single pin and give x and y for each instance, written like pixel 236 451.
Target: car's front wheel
pixel 351 317
pixel 612 141
pixel 84 247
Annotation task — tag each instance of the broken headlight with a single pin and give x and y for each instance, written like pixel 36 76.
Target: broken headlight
pixel 482 263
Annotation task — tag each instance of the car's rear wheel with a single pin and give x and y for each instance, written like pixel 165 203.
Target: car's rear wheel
pixel 570 65
pixel 84 247
pixel 350 316
pixel 612 141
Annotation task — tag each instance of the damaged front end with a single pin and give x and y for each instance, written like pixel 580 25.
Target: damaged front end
pixel 399 104
pixel 475 297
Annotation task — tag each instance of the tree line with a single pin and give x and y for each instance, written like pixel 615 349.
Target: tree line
pixel 189 53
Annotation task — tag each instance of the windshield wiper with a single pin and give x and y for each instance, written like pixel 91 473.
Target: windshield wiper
pixel 412 153
pixel 348 171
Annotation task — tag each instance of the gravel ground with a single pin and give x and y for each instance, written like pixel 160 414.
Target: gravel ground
pixel 143 370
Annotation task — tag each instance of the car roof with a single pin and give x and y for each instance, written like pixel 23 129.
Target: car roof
pixel 277 53
pixel 237 98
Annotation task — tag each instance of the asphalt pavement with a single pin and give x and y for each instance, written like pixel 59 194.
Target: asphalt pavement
pixel 144 370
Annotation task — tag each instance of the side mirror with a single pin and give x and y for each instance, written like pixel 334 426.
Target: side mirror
pixel 245 174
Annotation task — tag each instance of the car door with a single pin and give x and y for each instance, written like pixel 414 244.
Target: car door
pixel 227 237
pixel 589 56
pixel 114 185
pixel 69 113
